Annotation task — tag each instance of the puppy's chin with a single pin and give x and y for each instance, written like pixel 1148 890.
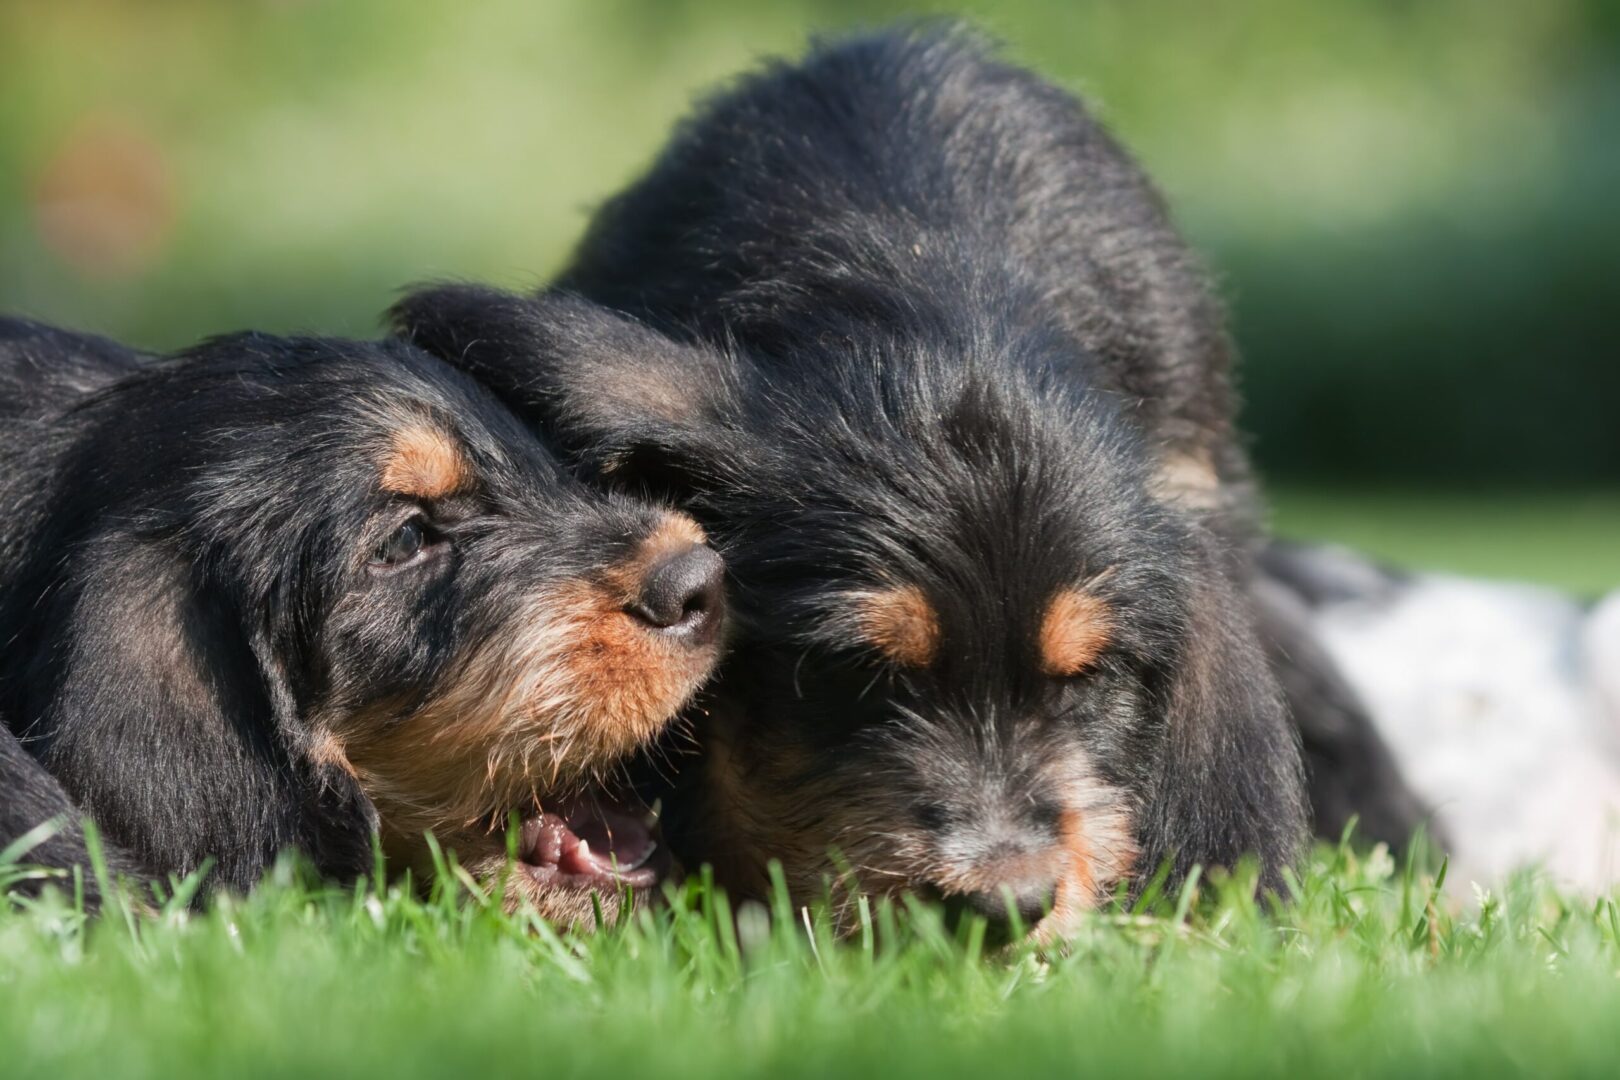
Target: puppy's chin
pixel 573 856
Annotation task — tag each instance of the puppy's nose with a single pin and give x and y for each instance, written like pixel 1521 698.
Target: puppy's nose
pixel 998 908
pixel 684 594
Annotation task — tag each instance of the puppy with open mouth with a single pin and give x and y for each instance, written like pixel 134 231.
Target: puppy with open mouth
pixel 913 337
pixel 300 593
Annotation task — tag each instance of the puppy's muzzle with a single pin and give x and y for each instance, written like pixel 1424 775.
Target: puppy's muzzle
pixel 1008 909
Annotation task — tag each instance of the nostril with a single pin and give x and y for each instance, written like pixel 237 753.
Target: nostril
pixel 683 592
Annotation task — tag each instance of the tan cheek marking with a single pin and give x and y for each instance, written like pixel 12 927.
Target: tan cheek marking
pixel 425 463
pixel 565 693
pixel 1075 631
pixel 1081 881
pixel 900 624
pixel 634 680
pixel 1095 864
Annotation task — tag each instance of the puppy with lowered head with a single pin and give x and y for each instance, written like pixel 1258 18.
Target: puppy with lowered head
pixel 914 339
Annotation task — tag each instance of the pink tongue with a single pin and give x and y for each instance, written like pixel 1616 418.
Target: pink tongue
pixel 592 837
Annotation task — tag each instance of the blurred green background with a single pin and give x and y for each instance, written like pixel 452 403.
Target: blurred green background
pixel 1413 206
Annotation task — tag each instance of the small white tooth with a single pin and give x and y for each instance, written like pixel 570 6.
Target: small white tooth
pixel 584 848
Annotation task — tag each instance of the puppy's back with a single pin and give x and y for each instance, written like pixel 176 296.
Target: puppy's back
pixel 913 166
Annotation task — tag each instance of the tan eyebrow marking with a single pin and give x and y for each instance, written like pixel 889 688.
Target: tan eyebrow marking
pixel 425 463
pixel 1076 629
pixel 900 623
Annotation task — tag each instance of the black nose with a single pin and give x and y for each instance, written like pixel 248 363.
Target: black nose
pixel 684 594
pixel 1030 905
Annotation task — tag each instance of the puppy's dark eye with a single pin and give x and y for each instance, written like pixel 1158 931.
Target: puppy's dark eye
pixel 408 544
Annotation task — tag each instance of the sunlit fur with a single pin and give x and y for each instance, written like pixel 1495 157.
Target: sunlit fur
pixel 898 622
pixel 1074 632
pixel 210 661
pixel 901 316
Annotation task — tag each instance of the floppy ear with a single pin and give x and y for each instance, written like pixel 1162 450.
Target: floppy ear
pixel 628 402
pixel 158 715
pixel 1230 782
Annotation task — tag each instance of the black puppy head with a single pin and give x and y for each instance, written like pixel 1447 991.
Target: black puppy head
pixel 357 549
pixel 978 656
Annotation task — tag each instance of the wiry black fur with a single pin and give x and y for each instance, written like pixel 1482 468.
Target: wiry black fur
pixel 907 314
pixel 909 181
pixel 185 586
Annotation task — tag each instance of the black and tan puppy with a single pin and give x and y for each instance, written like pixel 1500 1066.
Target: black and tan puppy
pixel 913 337
pixel 290 593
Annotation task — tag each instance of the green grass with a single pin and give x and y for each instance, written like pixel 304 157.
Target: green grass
pixel 1368 969
pixel 1567 539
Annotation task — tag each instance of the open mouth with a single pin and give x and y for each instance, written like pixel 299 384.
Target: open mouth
pixel 594 842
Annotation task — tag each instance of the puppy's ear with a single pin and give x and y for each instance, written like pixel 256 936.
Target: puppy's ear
pixel 161 713
pixel 1230 783
pixel 630 403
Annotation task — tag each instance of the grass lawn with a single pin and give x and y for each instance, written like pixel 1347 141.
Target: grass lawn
pixel 1569 539
pixel 1366 970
